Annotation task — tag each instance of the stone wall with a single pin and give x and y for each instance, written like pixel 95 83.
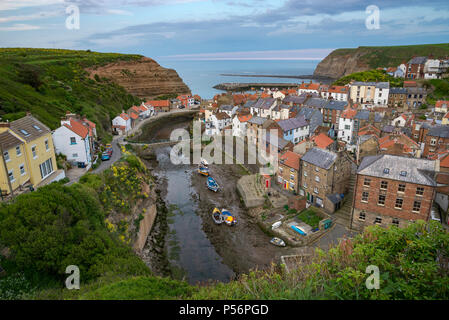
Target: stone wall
pixel 145 227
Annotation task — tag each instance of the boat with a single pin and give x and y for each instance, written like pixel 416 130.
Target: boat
pixel 212 184
pixel 229 219
pixel 276 225
pixel 203 170
pixel 204 163
pixel 277 242
pixel 223 216
pixel 299 230
pixel 217 217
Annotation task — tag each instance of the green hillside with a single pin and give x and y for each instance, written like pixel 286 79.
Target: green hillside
pixel 392 56
pixel 49 82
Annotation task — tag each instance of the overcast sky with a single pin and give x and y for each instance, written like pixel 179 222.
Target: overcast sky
pixel 221 29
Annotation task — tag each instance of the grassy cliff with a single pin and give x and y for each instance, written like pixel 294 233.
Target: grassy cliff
pixel 50 82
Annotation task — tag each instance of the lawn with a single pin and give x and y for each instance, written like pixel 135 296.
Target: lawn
pixel 310 217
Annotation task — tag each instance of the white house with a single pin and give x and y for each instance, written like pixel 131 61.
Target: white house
pixel 381 93
pixel 239 123
pixel 146 110
pixel 72 140
pixel 263 107
pixel 217 123
pixel 228 109
pixel 399 121
pixel 278 95
pixel 337 93
pixel 121 124
pixel 309 88
pixel 346 125
pixel 400 71
pixel 294 129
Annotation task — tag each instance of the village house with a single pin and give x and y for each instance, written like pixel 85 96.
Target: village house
pixel 397 98
pixel 415 68
pixel 362 92
pixel 393 190
pixel 159 105
pixel 121 124
pixel 321 140
pixel 324 174
pixel 73 139
pixel 346 125
pixel 309 88
pixel 262 107
pixel 288 174
pixel 435 68
pixel 441 106
pixel 381 93
pixel 313 117
pixel 239 124
pixel 400 145
pixel 275 146
pixel 218 121
pixel 228 109
pixel 420 130
pixel 186 100
pixel 366 145
pixel 338 93
pixel 39 160
pixel 280 112
pixel 252 128
pixel 416 97
pixel 437 139
pixel 295 101
pixel 445 119
pixel 400 71
pixel 294 129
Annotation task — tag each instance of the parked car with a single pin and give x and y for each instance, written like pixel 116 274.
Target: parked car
pixel 105 156
pixel 181 107
pixel 109 151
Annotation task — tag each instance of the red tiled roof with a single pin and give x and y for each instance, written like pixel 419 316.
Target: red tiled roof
pixel 322 140
pixel 134 116
pixel 349 113
pixel 78 128
pixel 159 103
pixel 124 116
pixel 291 159
pixel 309 86
pixel 444 162
pixel 440 103
pixel 338 89
pixel 245 117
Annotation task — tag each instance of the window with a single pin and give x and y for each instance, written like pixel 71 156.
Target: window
pixel 317 179
pixel 401 188
pixel 365 196
pixel 378 220
pixel 433 142
pixel 6 156
pixel 305 185
pixel 292 170
pixel 46 168
pixel 315 190
pixel 25 133
pixel 305 164
pixel 33 150
pixel 384 185
pixel 362 215
pixel 403 173
pixel 395 222
pixel 36 127
pixel 367 182
pixel 46 145
pixel 22 169
pixel 11 176
pixel 18 151
pixel 398 204
pixel 386 170
pixel 416 206
pixel 72 140
pixel 317 169
pixel 419 191
pixel 381 201
pixel 75 155
pixel 292 177
pixel 305 173
pixel 347 127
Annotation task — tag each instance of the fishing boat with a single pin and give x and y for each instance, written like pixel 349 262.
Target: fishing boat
pixel 212 184
pixel 277 242
pixel 223 216
pixel 276 225
pixel 204 163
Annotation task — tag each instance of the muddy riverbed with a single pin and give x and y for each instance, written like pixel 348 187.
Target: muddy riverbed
pixel 197 248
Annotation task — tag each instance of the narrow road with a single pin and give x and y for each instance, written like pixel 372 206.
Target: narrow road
pixel 116 154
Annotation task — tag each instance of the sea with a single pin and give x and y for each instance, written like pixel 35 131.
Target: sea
pixel 202 75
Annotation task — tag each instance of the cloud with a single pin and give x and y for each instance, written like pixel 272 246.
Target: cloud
pixel 39 15
pixel 20 27
pixel 18 4
pixel 119 12
pixel 304 54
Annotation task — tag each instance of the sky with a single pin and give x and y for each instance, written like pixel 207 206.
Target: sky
pixel 222 29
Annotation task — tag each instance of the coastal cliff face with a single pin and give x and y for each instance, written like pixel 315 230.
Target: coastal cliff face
pixel 340 63
pixel 144 78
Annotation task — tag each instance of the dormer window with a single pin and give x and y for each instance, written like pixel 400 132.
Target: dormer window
pixel 403 173
pixel 386 171
pixel 36 127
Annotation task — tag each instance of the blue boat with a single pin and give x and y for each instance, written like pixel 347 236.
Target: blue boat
pixel 212 184
pixel 299 230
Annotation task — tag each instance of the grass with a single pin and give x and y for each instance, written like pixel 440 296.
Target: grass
pixel 49 82
pixel 310 217
pixel 370 75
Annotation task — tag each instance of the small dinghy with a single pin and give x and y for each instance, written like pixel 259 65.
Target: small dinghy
pixel 277 242
pixel 203 170
pixel 223 216
pixel 212 184
pixel 276 225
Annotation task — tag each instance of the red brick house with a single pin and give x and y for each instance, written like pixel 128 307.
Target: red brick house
pixel 437 139
pixel 415 68
pixel 393 190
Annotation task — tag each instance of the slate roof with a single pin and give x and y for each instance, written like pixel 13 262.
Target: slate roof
pixel 226 107
pixel 249 103
pixel 264 103
pixel 362 115
pixel 314 117
pixel 363 83
pixel 439 131
pixel 280 143
pixel 320 157
pixel 8 141
pixel 378 117
pixel 316 103
pixel 398 91
pixel 336 105
pixel 335 197
pixel 257 120
pixel 419 171
pixel 293 123
pixel 295 99
pixel 383 85
pixel 30 125
pixel 418 60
